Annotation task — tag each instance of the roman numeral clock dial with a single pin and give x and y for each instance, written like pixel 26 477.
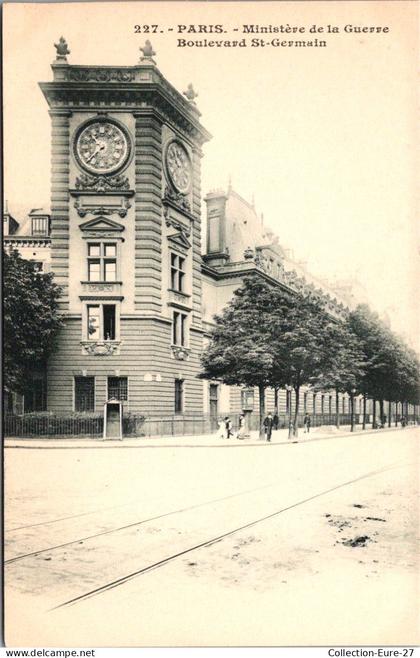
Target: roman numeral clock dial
pixel 178 166
pixel 102 147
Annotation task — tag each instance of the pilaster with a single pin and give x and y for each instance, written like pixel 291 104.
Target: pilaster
pixel 60 169
pixel 197 259
pixel 148 214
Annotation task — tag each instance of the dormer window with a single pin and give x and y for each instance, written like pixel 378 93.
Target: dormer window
pixel 39 225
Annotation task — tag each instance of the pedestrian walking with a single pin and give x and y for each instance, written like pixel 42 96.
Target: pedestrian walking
pixel 403 421
pixel 307 423
pixel 268 426
pixel 241 426
pixel 228 424
pixel 221 428
pixel 276 421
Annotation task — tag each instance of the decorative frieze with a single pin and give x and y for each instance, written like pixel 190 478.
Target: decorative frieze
pixel 102 183
pixel 100 348
pixel 100 74
pixel 180 353
pixel 84 208
pixel 102 287
pixel 179 300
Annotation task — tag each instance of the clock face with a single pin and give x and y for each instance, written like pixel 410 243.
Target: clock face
pixel 178 165
pixel 102 147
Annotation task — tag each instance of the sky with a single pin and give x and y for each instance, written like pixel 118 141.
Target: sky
pixel 322 138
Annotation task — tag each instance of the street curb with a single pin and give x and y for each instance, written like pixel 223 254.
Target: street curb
pixel 239 443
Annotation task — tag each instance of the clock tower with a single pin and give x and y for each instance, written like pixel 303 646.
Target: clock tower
pixel 125 238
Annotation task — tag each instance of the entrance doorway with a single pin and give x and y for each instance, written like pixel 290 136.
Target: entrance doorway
pixel 113 419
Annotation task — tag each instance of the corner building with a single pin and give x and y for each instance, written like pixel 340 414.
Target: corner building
pixel 124 243
pixel 125 239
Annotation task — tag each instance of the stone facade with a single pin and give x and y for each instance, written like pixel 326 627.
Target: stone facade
pixel 122 241
pixel 125 246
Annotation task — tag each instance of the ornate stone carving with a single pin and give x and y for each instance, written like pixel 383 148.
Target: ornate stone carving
pixel 101 234
pixel 62 50
pixel 84 210
pixel 249 253
pixel 180 353
pixel 148 52
pixel 97 287
pixel 177 198
pixel 99 75
pixel 190 93
pixel 102 183
pixel 100 348
pixel 174 223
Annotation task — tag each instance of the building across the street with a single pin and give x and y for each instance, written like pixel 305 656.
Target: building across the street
pixel 124 241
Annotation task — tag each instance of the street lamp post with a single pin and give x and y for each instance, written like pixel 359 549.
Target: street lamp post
pixel 289 411
pixel 352 394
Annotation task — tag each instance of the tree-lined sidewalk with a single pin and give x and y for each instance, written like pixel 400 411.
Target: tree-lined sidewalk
pixel 269 337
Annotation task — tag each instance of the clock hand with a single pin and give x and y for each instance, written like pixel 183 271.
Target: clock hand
pixel 100 146
pixel 97 149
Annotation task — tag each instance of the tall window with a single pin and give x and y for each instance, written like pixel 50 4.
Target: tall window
pixel 314 403
pixel 330 404
pixel 305 402
pixel 84 393
pixel 102 261
pixel 39 225
pixel 344 405
pixel 101 321
pixel 118 388
pixel 36 394
pixel 322 403
pixel 179 328
pixel 179 395
pixel 177 272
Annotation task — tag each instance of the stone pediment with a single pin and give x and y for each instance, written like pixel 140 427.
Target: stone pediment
pixel 101 224
pixel 179 240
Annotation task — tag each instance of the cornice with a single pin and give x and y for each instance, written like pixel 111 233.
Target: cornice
pixel 79 87
pixel 22 239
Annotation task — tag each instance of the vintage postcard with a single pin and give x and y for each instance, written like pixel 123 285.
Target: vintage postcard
pixel 211 336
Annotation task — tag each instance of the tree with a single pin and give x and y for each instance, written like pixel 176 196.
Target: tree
pixel 298 327
pixel 30 319
pixel 238 352
pixel 391 369
pixel 406 375
pixel 343 368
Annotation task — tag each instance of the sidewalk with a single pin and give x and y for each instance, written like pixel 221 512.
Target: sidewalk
pixel 279 437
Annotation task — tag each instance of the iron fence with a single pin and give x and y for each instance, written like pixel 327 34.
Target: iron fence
pixel 137 425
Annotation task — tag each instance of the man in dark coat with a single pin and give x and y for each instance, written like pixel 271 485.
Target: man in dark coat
pixel 268 426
